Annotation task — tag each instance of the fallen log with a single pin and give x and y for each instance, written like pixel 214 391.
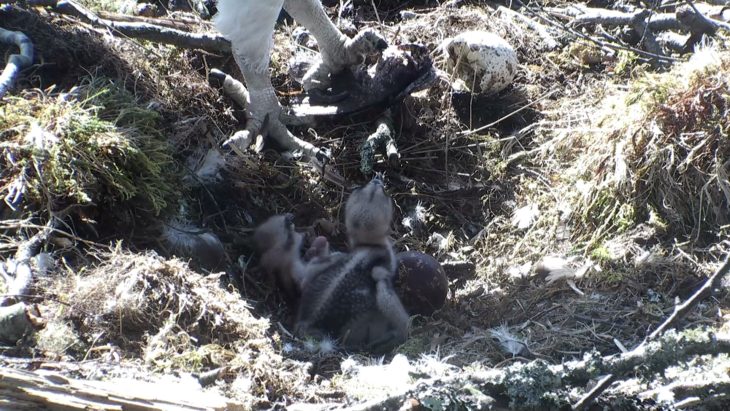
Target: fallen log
pixel 206 41
pixel 28 390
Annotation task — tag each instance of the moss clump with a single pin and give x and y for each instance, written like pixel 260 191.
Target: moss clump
pixel 531 386
pixel 113 6
pixel 663 154
pixel 93 145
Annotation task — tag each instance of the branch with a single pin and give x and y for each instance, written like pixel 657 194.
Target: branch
pixel 528 385
pixel 16 62
pixel 614 18
pixel 178 22
pixel 206 41
pixel 578 34
pixel 695 18
pixel 36 3
pixel 695 388
pixel 679 312
pixel 698 24
pixel 28 390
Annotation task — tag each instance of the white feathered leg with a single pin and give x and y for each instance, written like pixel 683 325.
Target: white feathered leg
pixel 337 50
pixel 249 25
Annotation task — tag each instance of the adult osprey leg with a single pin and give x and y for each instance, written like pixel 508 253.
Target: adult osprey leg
pixel 249 25
pixel 337 50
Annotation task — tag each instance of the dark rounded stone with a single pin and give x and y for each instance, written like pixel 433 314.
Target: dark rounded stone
pixel 420 283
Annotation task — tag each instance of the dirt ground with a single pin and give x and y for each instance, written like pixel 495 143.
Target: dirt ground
pixel 614 168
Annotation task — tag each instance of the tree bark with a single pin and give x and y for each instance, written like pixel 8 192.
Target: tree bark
pixel 27 390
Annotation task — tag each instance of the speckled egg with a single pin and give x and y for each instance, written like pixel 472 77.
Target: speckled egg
pixel 481 62
pixel 420 283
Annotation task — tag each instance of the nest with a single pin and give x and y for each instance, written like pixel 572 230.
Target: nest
pixel 661 154
pixel 170 318
pixel 589 166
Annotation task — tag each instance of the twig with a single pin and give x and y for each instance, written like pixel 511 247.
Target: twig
pixel 541 30
pixel 16 62
pixel 597 390
pixel 382 137
pixel 679 312
pixel 641 27
pixel 526 106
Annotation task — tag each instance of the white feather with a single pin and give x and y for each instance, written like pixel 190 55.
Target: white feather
pixel 509 342
pixel 249 25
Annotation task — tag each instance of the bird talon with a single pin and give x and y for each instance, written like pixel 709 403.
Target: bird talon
pixel 321 162
pixel 239 141
pixel 366 42
pixel 323 156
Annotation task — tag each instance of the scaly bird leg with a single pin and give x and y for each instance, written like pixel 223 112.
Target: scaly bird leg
pixel 249 25
pixel 336 49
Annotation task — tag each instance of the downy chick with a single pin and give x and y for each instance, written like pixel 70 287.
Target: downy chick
pixel 280 247
pixel 350 296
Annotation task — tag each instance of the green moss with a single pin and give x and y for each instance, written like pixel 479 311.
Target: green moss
pixel 113 6
pixel 626 63
pixel 601 254
pixel 531 386
pixel 612 277
pixel 193 359
pixel 652 90
pixel 94 145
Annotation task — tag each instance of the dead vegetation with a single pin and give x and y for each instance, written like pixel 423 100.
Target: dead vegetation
pixel 616 167
pixel 91 145
pixel 667 160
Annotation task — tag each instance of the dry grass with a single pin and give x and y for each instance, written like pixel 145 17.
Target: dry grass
pixel 659 155
pixel 159 313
